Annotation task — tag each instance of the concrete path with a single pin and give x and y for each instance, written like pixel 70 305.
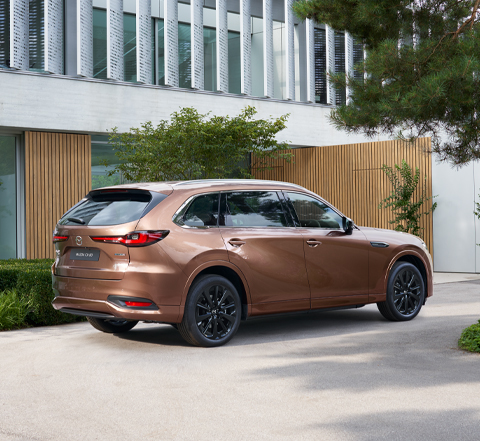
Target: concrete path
pixel 345 375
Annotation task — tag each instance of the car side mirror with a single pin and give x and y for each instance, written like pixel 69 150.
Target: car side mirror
pixel 348 226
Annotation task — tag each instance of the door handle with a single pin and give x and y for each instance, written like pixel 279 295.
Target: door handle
pixel 313 243
pixel 236 242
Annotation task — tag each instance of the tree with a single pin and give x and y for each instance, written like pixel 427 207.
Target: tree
pixel 406 209
pixel 422 70
pixel 193 146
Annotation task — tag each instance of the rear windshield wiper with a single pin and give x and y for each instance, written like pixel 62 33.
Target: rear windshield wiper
pixel 77 220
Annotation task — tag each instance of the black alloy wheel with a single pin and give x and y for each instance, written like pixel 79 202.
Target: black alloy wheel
pixel 212 312
pixel 405 293
pixel 112 326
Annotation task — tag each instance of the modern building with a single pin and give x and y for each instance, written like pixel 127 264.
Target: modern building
pixel 71 70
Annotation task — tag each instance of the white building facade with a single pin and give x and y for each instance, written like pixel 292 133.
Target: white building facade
pixel 86 66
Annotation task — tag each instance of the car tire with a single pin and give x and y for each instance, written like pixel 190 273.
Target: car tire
pixel 112 326
pixel 212 312
pixel 405 293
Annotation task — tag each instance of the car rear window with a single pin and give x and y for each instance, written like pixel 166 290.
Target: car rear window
pixel 110 208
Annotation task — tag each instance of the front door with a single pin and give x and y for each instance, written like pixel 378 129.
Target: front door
pixel 337 263
pixel 263 243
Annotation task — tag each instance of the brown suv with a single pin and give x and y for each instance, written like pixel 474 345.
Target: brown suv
pixel 203 255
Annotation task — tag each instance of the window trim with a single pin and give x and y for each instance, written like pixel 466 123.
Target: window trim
pixel 186 205
pixel 288 218
pixel 342 216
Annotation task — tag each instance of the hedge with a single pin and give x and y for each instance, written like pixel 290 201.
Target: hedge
pixel 32 280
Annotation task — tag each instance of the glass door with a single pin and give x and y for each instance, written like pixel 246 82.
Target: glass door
pixel 8 198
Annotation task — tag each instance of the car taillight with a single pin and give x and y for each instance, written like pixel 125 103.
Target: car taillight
pixel 57 238
pixel 134 239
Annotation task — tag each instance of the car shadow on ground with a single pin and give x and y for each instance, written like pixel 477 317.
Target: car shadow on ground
pixel 282 327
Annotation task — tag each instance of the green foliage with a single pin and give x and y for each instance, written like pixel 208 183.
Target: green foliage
pixel 194 146
pixel 406 209
pixel 13 310
pixel 31 280
pixel 422 70
pixel 470 338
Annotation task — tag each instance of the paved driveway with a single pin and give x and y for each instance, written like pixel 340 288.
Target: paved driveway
pixel 345 375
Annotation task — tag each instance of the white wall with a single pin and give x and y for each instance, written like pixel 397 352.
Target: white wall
pixel 48 102
pixel 456 230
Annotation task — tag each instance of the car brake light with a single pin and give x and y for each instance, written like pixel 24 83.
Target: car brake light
pixel 57 238
pixel 138 303
pixel 134 239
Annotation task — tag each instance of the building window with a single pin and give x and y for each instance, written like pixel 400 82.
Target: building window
pixel 340 94
pixel 100 43
pixel 161 53
pixel 130 47
pixel 184 56
pixel 357 58
pixel 36 35
pixel 320 66
pixel 4 34
pixel 8 198
pixel 210 61
pixel 103 153
pixel 234 81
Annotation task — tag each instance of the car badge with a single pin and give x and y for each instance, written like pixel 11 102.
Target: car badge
pixel 78 241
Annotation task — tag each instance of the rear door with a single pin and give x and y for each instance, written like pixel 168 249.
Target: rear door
pixel 88 237
pixel 263 243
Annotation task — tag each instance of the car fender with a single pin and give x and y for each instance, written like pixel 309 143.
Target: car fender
pixel 211 264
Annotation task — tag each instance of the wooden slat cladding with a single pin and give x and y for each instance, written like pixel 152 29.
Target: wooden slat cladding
pixel 350 177
pixel 58 174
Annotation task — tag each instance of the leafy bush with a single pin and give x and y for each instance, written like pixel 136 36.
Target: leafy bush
pixel 190 145
pixel 470 338
pixel 32 281
pixel 13 310
pixel 406 210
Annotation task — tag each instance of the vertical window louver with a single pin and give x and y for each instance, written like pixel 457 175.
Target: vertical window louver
pixel 4 33
pixel 320 66
pixel 36 35
pixel 341 96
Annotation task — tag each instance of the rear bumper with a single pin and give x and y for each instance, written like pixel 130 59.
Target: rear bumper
pixel 106 309
pixel 81 298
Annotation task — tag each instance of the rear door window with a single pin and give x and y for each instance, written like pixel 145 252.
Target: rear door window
pixel 108 209
pixel 252 209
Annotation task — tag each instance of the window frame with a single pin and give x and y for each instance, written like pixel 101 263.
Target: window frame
pixel 186 205
pixel 286 212
pixel 291 207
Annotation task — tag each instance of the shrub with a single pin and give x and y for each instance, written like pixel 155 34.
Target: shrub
pixel 13 310
pixel 405 201
pixel 470 338
pixel 32 280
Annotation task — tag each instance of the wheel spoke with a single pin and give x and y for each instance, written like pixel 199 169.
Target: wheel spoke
pixel 203 317
pixel 230 318
pixel 225 329
pixel 207 297
pixel 214 328
pixel 205 329
pixel 415 296
pixel 224 295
